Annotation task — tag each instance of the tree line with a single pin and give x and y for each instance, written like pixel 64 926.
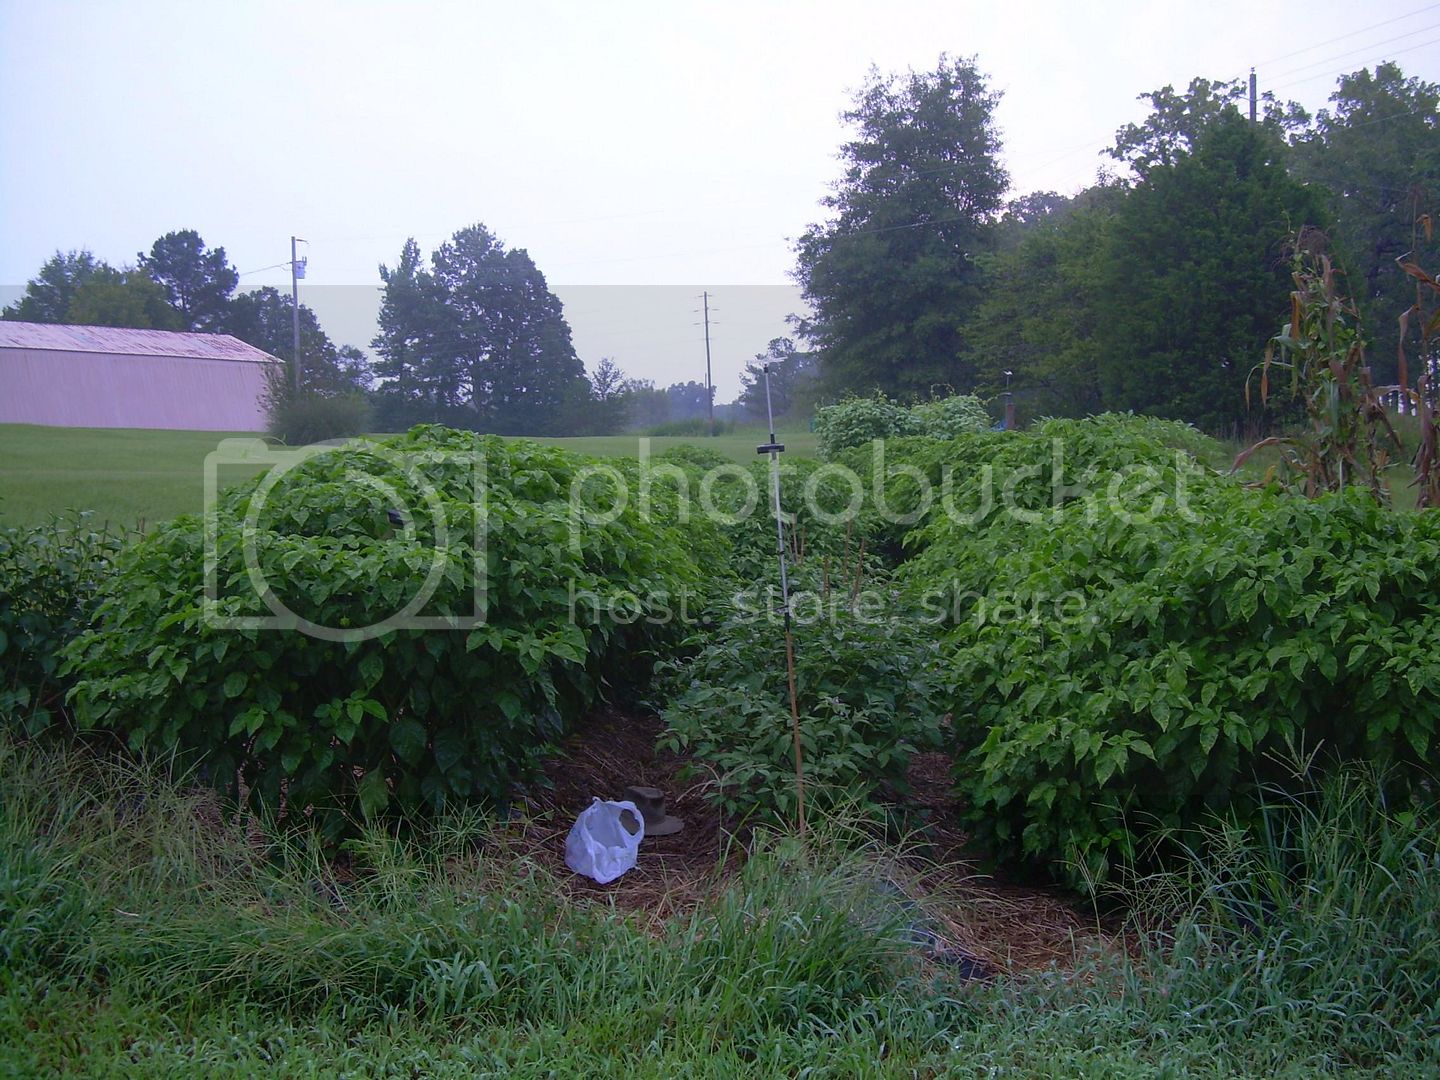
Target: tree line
pixel 181 284
pixel 1154 290
pixel 474 338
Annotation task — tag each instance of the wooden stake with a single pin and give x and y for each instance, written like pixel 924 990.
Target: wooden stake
pixel 795 727
pixel 859 573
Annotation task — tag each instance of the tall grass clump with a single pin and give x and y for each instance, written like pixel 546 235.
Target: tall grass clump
pixel 1303 943
pixel 1318 923
pixel 145 934
pixel 123 888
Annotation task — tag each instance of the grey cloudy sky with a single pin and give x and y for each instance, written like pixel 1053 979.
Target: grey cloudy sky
pixel 642 152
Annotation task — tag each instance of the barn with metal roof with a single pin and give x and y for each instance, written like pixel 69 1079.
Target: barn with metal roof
pixel 102 376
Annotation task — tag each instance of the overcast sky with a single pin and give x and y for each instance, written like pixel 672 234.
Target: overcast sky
pixel 641 152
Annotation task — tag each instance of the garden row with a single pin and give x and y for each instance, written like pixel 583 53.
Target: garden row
pixel 1112 641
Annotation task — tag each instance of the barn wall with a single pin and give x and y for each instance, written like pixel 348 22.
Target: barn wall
pixel 73 389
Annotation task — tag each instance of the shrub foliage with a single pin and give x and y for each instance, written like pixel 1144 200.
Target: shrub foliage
pixel 313 418
pixel 858 421
pixel 1119 664
pixel 48 577
pixel 411 719
pixel 866 689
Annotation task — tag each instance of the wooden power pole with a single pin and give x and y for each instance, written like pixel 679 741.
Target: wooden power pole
pixel 296 273
pixel 709 386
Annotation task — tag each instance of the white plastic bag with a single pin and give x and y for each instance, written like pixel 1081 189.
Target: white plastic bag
pixel 599 845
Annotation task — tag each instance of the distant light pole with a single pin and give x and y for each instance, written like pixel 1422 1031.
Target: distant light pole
pixel 297 271
pixel 1009 403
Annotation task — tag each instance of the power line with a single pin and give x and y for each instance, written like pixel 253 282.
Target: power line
pixel 261 270
pixel 1063 155
pixel 1362 49
pixel 1345 37
pixel 1100 147
pixel 1374 60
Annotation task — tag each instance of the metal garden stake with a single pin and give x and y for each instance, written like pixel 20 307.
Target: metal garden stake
pixel 774 449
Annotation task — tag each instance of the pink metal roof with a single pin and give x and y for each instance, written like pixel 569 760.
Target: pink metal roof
pixel 55 337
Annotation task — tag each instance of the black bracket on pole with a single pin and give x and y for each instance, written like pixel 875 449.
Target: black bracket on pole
pixel 770 448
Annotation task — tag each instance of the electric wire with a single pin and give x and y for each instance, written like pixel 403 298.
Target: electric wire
pixel 1330 60
pixel 1348 36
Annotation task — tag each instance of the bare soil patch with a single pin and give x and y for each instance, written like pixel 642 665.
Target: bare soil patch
pixel 1007 926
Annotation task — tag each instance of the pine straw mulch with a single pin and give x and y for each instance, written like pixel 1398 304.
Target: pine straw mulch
pixel 1001 925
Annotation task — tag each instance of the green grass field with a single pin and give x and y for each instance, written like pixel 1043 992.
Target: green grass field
pixel 125 476
pixel 135 477
pixel 132 477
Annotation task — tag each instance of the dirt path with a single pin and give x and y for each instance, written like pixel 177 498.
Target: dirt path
pixel 1008 926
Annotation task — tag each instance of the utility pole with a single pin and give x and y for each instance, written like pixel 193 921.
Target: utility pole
pixel 709 386
pixel 1252 95
pixel 297 271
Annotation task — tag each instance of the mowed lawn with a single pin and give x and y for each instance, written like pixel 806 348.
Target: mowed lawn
pixel 132 477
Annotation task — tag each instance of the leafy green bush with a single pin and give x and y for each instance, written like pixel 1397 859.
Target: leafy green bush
pixel 947 417
pixel 867 695
pixel 823 512
pixel 857 421
pixel 48 577
pixel 1119 666
pixel 979 474
pixel 313 418
pixel 413 717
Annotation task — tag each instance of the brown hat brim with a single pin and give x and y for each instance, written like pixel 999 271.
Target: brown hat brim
pixel 666 826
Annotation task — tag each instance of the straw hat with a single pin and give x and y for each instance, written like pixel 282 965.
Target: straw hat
pixel 651 802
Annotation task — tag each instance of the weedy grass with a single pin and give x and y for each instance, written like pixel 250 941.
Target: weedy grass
pixel 142 933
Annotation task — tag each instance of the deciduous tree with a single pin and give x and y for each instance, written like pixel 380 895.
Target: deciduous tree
pixel 794 376
pixel 49 293
pixel 1176 121
pixel 263 318
pixel 1193 273
pixel 480 329
pixel 1038 319
pixel 891 277
pixel 198 282
pixel 129 298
